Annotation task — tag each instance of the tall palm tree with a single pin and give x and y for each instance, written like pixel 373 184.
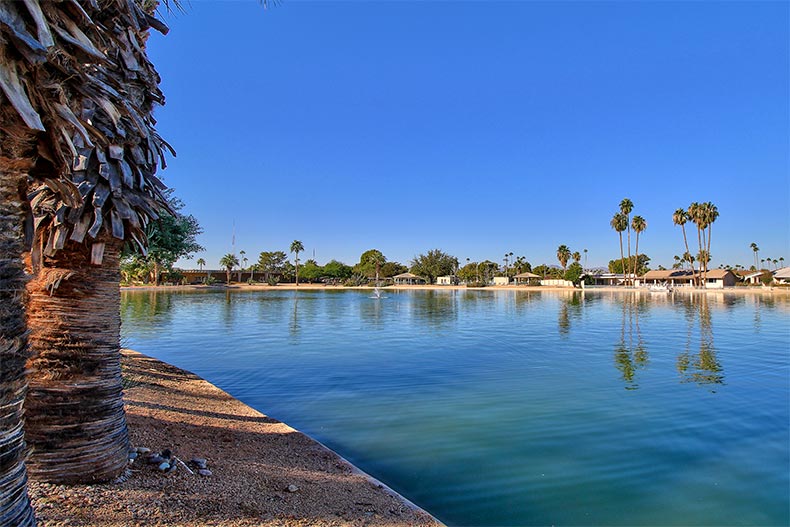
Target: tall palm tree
pixel 563 255
pixel 77 97
pixel 619 223
pixel 296 248
pixel 638 224
pixel 697 215
pixel 626 206
pixel 756 255
pixel 680 217
pixel 585 258
pixel 229 261
pixel 201 262
pixel 711 213
pixel 243 255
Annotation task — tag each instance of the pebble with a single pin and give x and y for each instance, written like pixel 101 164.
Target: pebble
pixel 164 466
pixel 133 455
pixel 292 488
pixel 199 462
pixel 155 459
pixel 204 472
pixel 143 450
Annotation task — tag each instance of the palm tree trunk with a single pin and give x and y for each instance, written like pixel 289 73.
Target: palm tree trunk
pixel 699 241
pixel 628 278
pixel 14 351
pixel 685 241
pixel 707 254
pixel 622 258
pixel 636 256
pixel 76 422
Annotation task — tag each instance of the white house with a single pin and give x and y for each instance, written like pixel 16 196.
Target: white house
pixel 782 275
pixel 447 280
pixel 501 280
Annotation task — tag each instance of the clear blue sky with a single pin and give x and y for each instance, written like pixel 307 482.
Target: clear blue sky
pixel 479 128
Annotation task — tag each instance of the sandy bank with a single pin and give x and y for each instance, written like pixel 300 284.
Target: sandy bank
pixel 254 460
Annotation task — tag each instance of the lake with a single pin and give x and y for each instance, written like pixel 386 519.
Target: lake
pixel 495 408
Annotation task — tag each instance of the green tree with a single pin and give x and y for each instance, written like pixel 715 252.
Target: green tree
pixel 577 256
pixel 574 273
pixel 170 237
pixel 337 270
pixel 640 265
pixel 370 263
pixel 563 255
pixel 390 269
pixel 619 223
pixel 311 271
pixel 229 261
pixel 296 248
pixel 638 224
pixel 468 273
pixel 434 263
pixel 201 262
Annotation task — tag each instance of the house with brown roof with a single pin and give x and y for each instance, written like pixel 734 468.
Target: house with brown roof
pixel 673 277
pixel 408 279
pixel 720 278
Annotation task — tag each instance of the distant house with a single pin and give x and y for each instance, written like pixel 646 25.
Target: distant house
pixel 607 279
pixel 447 280
pixel 501 280
pixel 524 278
pixel 556 282
pixel 408 279
pixel 673 277
pixel 749 277
pixel 782 275
pixel 720 278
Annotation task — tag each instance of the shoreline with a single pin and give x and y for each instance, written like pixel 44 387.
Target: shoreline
pixel 525 288
pixel 263 472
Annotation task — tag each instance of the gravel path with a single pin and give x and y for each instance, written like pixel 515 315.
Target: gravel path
pixel 262 471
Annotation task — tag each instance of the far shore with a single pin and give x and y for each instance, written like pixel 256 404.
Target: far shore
pixel 531 288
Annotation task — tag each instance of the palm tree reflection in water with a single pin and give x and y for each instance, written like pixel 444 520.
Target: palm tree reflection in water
pixel 702 368
pixel 630 357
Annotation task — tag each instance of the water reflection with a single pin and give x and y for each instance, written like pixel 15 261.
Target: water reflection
pixel 437 308
pixel 570 309
pixel 702 366
pixel 630 353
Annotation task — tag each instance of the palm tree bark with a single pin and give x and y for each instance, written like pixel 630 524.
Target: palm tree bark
pixel 76 424
pixel 14 350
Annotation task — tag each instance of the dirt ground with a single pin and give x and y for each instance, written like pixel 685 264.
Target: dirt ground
pixel 262 471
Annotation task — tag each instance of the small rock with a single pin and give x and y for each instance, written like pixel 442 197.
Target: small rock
pixel 166 453
pixel 133 455
pixel 204 472
pixel 199 462
pixel 156 459
pixel 143 450
pixel 292 488
pixel 164 466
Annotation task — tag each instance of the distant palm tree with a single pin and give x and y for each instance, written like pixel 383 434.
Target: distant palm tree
pixel 639 224
pixel 229 261
pixel 775 262
pixel 619 224
pixel 243 255
pixel 585 258
pixel 756 253
pixel 201 262
pixel 626 206
pixel 680 217
pixel 577 256
pixel 711 213
pixel 782 261
pixel 563 255
pixel 296 248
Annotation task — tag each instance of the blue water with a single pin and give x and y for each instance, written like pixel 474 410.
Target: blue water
pixel 497 408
